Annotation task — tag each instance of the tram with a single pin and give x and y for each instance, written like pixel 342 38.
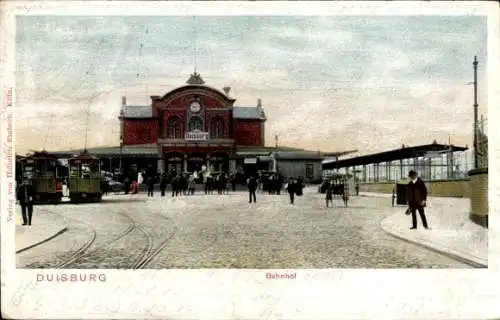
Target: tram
pixel 43 171
pixel 84 179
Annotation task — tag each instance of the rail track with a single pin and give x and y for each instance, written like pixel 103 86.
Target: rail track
pixel 146 254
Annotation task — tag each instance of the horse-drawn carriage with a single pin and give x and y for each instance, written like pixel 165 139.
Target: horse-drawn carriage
pixel 339 185
pixel 271 181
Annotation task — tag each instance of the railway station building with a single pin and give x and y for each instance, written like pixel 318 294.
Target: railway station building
pixel 196 125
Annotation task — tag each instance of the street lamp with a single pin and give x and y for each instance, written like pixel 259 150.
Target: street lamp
pixel 474 64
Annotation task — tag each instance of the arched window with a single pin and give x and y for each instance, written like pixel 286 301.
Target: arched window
pixel 174 128
pixel 217 128
pixel 195 123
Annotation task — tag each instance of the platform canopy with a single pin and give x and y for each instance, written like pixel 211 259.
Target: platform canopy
pixel 392 155
pixel 142 150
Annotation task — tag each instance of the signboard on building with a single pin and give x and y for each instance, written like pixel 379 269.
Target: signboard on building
pixel 250 161
pixel 197 135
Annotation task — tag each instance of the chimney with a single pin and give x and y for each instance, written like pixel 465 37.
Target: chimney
pixel 259 103
pixel 124 101
pixel 226 90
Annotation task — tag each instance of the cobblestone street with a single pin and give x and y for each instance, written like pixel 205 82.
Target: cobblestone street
pixel 227 232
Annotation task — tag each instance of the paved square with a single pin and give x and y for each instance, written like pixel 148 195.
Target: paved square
pixel 225 231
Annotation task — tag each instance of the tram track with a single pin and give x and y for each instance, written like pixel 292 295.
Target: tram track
pixel 80 254
pixel 144 257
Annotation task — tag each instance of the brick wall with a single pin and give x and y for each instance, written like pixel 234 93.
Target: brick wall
pixel 139 131
pixel 247 132
pixel 479 197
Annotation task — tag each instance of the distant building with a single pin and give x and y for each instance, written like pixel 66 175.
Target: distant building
pixel 196 126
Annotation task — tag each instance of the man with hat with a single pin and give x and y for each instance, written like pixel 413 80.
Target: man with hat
pixel 417 197
pixel 25 195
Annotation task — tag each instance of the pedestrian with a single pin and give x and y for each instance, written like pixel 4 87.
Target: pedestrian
pixel 135 187
pixel 417 198
pixel 357 189
pixel 299 186
pixel 126 185
pixel 25 195
pixel 233 182
pixel 292 189
pixel 329 193
pixel 252 187
pixel 163 184
pixel 175 183
pixel 151 185
pixel 192 184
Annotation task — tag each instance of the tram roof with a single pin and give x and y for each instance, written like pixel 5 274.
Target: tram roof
pixel 404 152
pixel 40 155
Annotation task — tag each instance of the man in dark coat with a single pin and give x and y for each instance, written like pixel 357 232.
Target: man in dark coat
pixel 252 187
pixel 25 195
pixel 233 182
pixel 292 189
pixel 163 183
pixel 417 197
pixel 151 185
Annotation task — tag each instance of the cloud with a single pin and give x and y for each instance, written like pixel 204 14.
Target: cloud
pixel 367 83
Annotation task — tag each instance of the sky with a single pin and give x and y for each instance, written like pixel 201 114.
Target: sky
pixel 327 83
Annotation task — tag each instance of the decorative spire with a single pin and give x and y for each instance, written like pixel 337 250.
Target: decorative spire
pixel 195 78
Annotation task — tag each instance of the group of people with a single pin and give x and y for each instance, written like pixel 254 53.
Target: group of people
pixel 294 186
pixel 183 183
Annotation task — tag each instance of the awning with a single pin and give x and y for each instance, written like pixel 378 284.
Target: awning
pixel 252 153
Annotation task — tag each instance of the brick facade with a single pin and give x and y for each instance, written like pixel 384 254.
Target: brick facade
pixel 248 132
pixel 172 110
pixel 140 131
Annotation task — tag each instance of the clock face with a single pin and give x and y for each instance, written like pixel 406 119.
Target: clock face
pixel 195 107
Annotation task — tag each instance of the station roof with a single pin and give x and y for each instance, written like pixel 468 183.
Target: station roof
pixel 145 150
pixel 137 112
pixel 151 151
pixel 288 153
pixel 397 154
pixel 146 112
pixel 248 113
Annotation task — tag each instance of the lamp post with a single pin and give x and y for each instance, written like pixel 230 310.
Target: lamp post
pixel 475 112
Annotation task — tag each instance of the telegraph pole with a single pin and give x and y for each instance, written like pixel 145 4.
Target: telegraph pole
pixel 475 112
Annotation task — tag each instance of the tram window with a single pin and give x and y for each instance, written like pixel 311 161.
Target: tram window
pixel 28 172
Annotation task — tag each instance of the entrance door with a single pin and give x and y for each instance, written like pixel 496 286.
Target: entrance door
pixel 173 162
pixel 194 163
pixel 220 162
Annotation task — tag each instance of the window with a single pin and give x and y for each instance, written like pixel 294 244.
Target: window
pixel 309 171
pixel 217 128
pixel 174 128
pixel 195 123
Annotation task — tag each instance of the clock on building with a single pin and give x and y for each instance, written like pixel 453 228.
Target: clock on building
pixel 195 107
